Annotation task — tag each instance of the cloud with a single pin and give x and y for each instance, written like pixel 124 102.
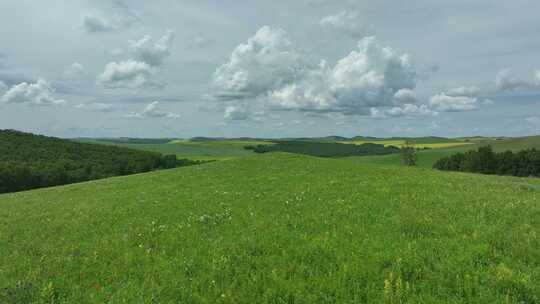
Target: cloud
pixel 446 103
pixel 346 22
pixel 409 110
pixel 505 81
pixel 371 76
pixel 537 77
pixel 150 52
pixel 470 91
pixel 236 113
pixel 74 70
pixel 136 74
pixel 265 62
pixel 405 96
pixel 406 110
pixel 307 93
pixel 39 93
pixel 269 69
pixel 117 16
pixel 152 111
pixel 95 23
pixel 95 106
pixel 126 74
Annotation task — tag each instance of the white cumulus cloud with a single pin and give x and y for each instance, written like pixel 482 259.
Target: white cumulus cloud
pixel 152 111
pixel 446 103
pixel 138 73
pixel 153 52
pixel 39 93
pixel 405 96
pixel 371 76
pixel 537 77
pixel 267 61
pixel 269 69
pixel 310 92
pixel 405 110
pixel 409 110
pixel 126 74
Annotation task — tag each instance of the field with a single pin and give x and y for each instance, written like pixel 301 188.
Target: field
pixel 194 150
pixel 275 228
pixel 401 143
pixel 224 149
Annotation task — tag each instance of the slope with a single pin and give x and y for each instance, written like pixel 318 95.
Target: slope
pixel 275 228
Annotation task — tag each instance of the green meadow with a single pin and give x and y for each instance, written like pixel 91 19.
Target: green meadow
pixel 278 228
pixel 275 228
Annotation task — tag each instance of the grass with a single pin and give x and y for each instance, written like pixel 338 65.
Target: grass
pixel 204 150
pixel 275 228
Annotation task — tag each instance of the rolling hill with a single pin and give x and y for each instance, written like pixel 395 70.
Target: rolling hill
pixel 275 228
pixel 29 161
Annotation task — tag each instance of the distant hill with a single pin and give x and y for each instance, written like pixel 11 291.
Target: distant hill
pixel 330 138
pixel 127 140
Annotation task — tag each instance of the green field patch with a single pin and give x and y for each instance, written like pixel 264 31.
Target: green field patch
pixel 193 150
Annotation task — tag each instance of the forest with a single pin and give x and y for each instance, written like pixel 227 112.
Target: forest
pixel 325 149
pixel 29 161
pixel 523 163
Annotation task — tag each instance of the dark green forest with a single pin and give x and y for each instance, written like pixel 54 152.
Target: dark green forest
pixel 29 161
pixel 324 149
pixel 484 160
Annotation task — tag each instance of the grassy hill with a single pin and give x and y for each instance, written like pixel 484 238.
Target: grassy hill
pixel 275 228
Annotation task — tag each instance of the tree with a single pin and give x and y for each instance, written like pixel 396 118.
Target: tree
pixel 522 163
pixel 409 155
pixel 30 161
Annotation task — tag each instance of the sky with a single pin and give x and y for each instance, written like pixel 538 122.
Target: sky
pixel 281 68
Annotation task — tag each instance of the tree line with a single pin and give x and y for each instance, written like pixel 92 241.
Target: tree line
pixel 324 149
pixel 29 161
pixel 486 161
